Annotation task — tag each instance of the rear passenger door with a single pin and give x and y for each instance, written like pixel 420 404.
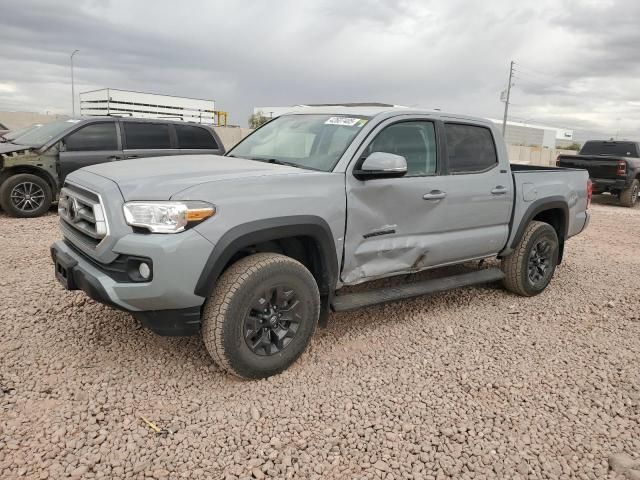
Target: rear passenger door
pixel 148 139
pixel 97 142
pixel 476 209
pixel 196 139
pixel 454 203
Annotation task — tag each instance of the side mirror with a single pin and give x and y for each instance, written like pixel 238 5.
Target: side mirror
pixel 381 165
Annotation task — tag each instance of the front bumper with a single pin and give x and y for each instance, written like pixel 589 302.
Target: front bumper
pixel 166 304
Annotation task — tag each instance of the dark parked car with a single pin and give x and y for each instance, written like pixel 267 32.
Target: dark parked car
pixel 33 167
pixel 613 166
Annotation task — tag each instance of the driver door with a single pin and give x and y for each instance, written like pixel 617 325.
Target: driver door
pixel 389 219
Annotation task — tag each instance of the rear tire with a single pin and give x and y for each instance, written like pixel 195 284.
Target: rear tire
pixel 25 196
pixel 261 315
pixel 629 196
pixel 530 267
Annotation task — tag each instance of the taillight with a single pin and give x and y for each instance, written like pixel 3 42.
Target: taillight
pixel 558 161
pixel 622 168
pixel 589 191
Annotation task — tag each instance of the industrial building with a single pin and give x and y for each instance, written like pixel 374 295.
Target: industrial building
pixel 530 135
pixel 272 112
pixel 111 101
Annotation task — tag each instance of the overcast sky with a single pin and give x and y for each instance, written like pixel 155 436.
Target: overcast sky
pixel 578 61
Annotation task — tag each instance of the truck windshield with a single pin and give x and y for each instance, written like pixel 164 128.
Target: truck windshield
pixel 614 149
pixel 307 141
pixel 37 137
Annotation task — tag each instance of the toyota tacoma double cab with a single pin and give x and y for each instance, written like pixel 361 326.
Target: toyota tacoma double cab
pixel 251 250
pixel 614 167
pixel 35 163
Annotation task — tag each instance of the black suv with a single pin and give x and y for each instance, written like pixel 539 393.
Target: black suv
pixel 33 167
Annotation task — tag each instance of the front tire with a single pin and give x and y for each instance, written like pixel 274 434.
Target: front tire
pixel 629 196
pixel 530 267
pixel 25 196
pixel 261 315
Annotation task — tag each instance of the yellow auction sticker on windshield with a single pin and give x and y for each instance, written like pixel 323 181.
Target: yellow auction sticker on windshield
pixel 346 121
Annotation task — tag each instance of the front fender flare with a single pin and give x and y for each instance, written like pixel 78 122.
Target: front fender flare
pixel 270 229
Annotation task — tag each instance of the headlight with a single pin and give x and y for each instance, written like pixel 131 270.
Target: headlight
pixel 167 217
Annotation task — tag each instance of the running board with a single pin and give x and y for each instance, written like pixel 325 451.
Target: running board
pixel 351 301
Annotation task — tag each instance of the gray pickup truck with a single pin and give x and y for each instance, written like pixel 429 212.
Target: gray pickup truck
pixel 251 249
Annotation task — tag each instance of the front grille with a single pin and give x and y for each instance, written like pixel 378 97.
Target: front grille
pixel 82 214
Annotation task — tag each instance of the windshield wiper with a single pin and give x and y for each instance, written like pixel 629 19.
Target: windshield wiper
pixel 270 160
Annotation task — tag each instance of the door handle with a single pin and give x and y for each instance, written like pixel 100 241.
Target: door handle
pixel 499 190
pixel 434 195
pixel 133 156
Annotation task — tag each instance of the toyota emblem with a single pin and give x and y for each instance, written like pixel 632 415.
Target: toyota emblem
pixel 72 209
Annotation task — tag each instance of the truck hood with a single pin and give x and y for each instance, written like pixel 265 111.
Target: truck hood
pixel 159 178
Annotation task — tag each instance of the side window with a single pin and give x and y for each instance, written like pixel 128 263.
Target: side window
pixel 146 136
pixel 415 141
pixel 470 148
pixel 94 137
pixel 190 136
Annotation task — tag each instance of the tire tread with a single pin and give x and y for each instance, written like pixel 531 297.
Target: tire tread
pixel 513 265
pixel 220 301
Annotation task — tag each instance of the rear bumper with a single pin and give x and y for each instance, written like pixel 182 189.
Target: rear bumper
pixel 606 184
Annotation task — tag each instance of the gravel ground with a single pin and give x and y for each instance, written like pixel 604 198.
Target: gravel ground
pixel 474 383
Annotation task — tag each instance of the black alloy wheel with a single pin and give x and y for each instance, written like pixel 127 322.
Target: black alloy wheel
pixel 540 261
pixel 272 320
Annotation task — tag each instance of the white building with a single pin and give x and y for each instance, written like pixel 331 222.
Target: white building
pixel 110 101
pixel 271 112
pixel 531 135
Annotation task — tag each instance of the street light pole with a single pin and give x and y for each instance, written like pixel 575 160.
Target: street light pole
pixel 73 92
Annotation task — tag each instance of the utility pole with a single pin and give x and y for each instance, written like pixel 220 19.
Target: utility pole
pixel 506 103
pixel 73 91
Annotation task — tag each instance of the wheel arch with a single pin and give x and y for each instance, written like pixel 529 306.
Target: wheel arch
pixel 33 170
pixel 305 238
pixel 554 211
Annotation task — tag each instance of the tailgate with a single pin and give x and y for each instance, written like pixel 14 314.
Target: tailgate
pixel 598 167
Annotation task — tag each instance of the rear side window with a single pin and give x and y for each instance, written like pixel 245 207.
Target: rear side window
pixel 190 136
pixel 470 148
pixel 148 136
pixel 94 137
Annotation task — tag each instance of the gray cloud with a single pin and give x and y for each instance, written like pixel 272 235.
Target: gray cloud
pixel 576 60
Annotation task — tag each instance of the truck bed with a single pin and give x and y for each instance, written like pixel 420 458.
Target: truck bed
pixel 534 184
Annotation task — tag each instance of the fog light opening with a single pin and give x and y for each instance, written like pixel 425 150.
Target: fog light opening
pixel 144 271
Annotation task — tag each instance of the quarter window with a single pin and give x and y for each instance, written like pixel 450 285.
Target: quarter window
pixel 470 148
pixel 415 141
pixel 190 136
pixel 93 137
pixel 147 136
